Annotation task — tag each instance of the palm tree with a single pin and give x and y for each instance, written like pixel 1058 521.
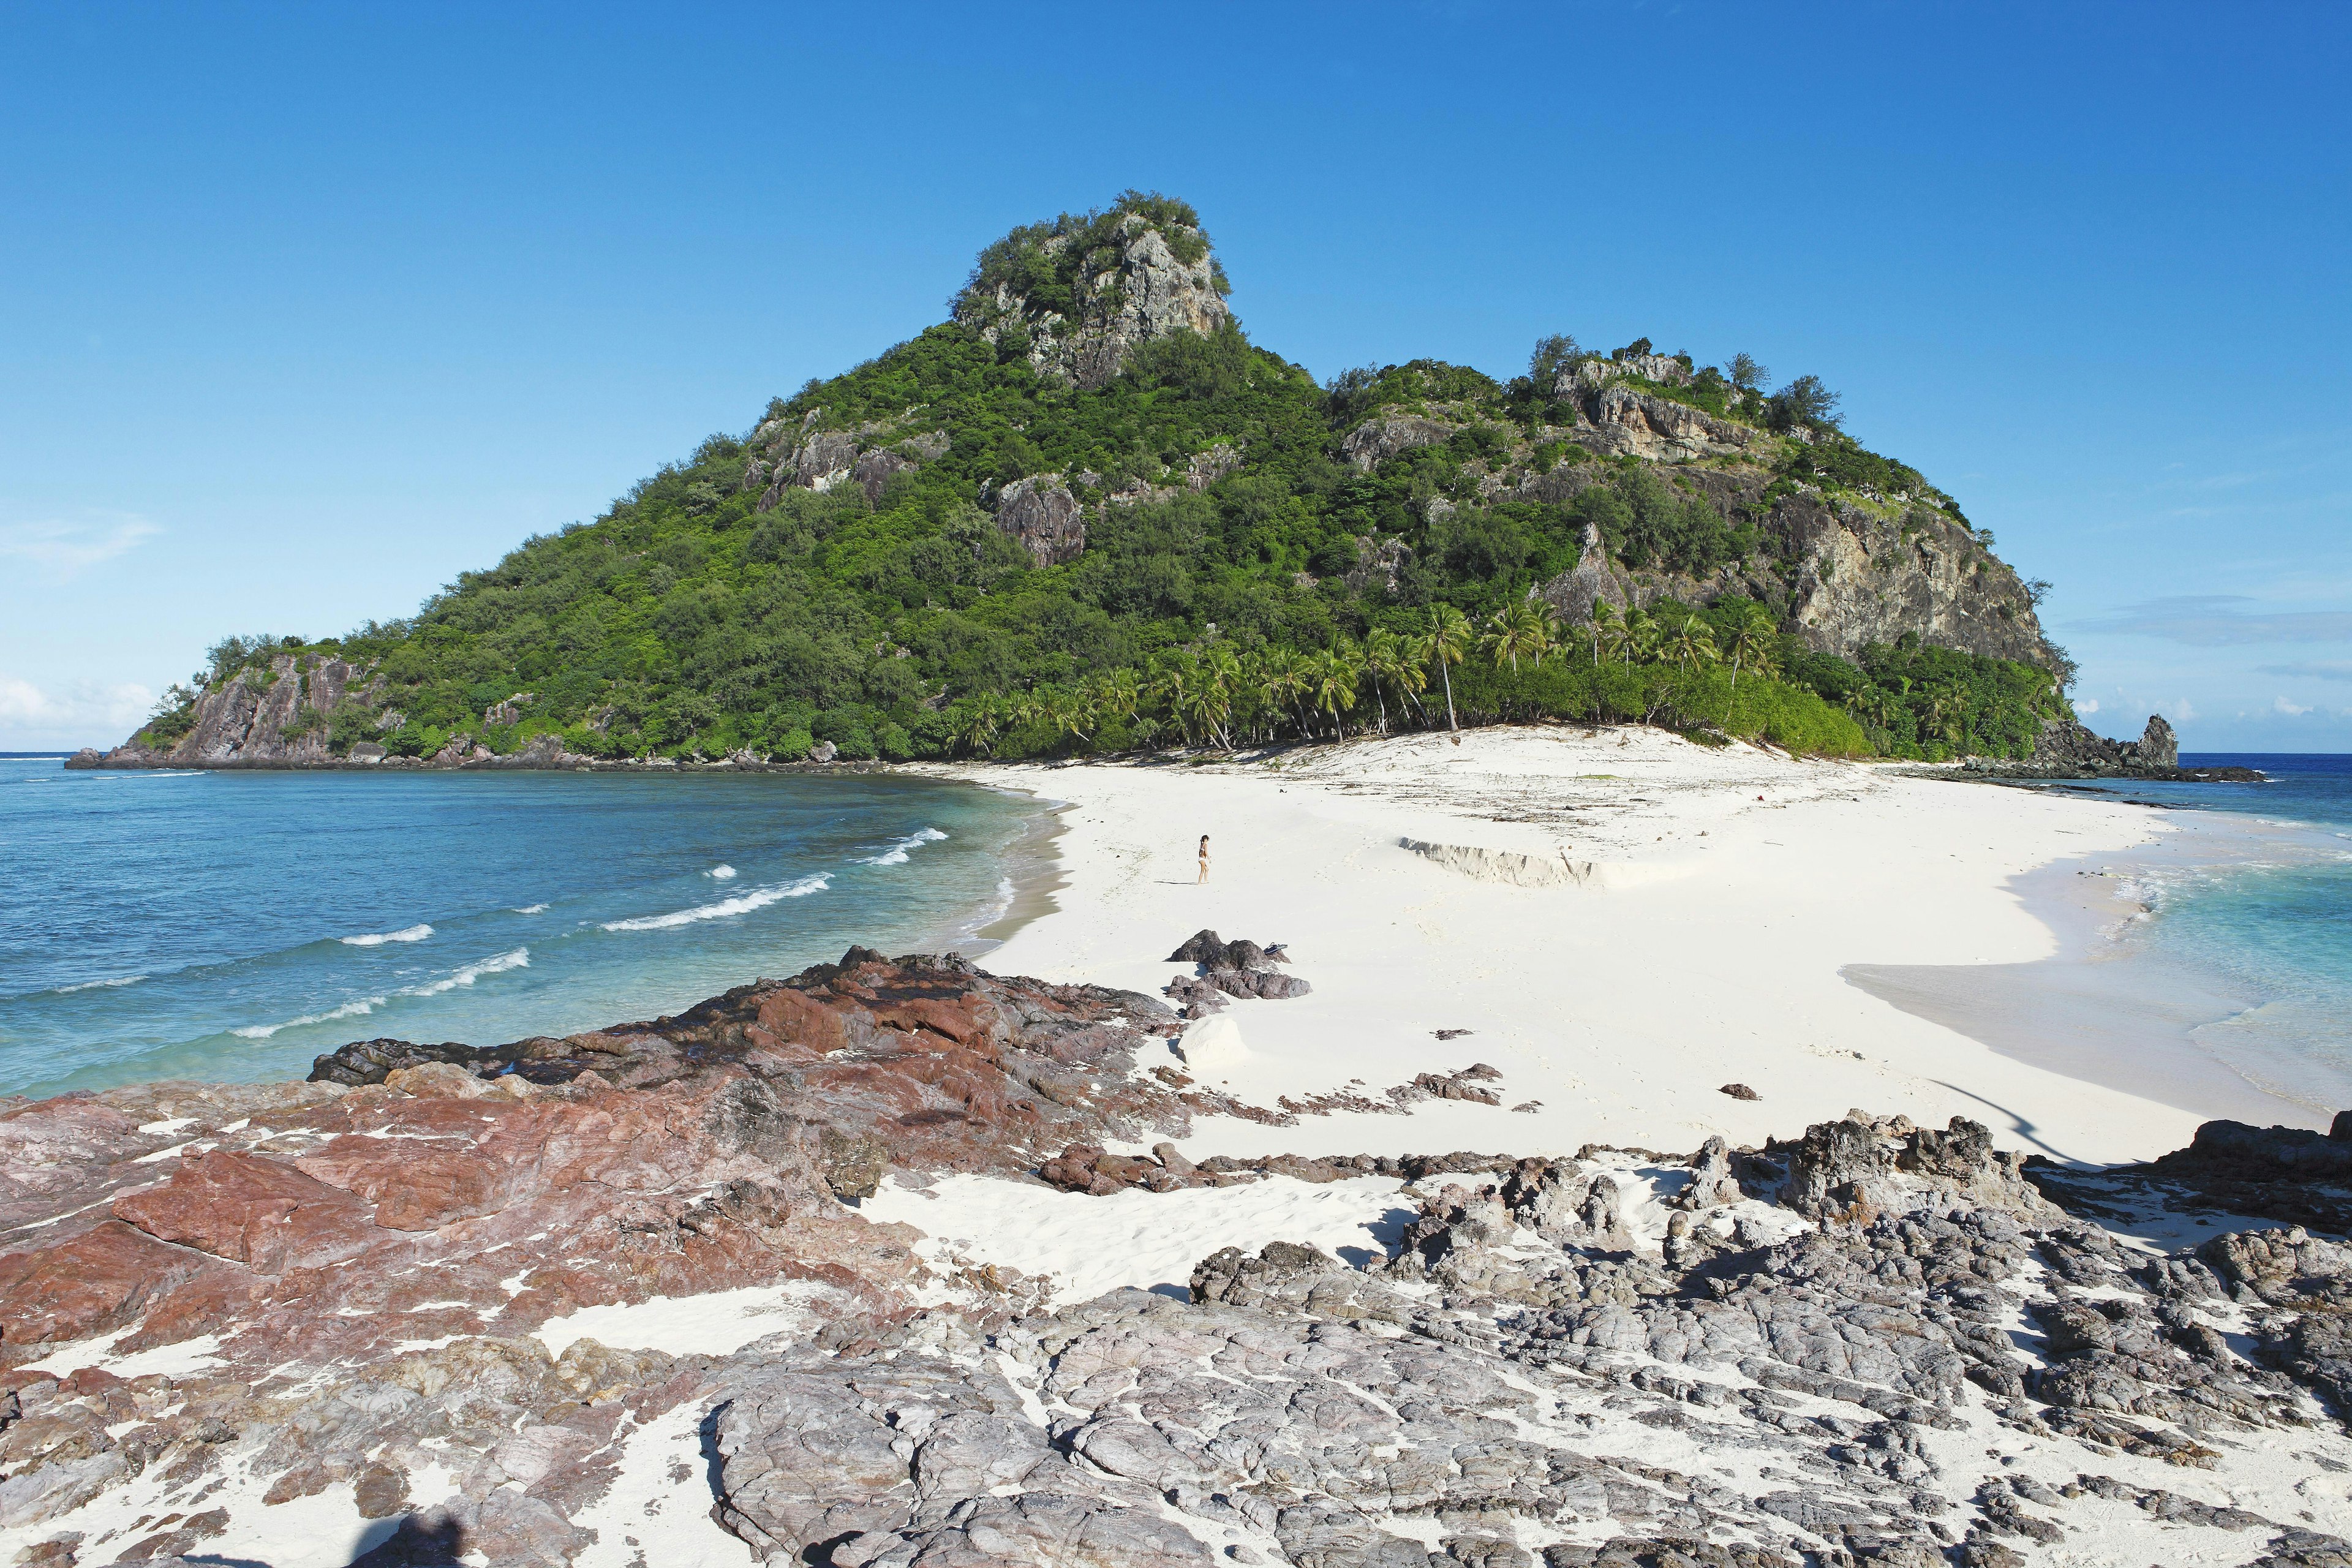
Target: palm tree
pixel 1384 655
pixel 1873 705
pixel 1751 642
pixel 1335 675
pixel 978 732
pixel 1068 713
pixel 1691 644
pixel 1946 714
pixel 1449 644
pixel 1119 694
pixel 1517 631
pixel 1605 627
pixel 1282 679
pixel 1640 638
pixel 1205 705
pixel 1412 676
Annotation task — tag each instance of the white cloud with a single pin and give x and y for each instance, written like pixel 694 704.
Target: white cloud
pixel 2281 705
pixel 62 549
pixel 2087 705
pixel 2183 711
pixel 81 713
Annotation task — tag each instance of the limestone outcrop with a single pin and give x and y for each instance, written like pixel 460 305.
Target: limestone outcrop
pixel 1041 513
pixel 273 716
pixel 1847 577
pixel 1155 276
pixel 808 455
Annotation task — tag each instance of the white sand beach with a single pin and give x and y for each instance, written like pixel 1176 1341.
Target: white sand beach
pixel 1701 904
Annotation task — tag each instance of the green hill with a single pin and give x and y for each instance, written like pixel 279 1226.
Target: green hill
pixel 1087 511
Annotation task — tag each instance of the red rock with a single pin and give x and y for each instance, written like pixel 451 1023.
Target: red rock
pixel 250 1210
pixel 94 1284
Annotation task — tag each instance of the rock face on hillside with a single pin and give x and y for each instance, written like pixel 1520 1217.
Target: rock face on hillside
pixel 416 1304
pixel 1127 292
pixel 1847 577
pixel 808 455
pixel 1624 421
pixel 1047 519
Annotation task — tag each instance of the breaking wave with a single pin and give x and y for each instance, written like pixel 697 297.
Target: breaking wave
pixel 721 873
pixel 417 932
pixel 531 909
pixel 358 1009
pixel 98 985
pixel 519 959
pixel 897 854
pixel 741 904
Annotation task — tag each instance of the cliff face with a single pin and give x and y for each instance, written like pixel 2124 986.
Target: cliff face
pixel 265 718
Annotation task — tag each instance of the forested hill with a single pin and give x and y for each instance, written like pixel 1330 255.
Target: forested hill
pixel 1088 512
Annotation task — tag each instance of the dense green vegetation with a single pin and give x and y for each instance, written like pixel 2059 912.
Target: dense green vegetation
pixel 690 620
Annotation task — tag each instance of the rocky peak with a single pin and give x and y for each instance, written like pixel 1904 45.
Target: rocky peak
pixel 1082 290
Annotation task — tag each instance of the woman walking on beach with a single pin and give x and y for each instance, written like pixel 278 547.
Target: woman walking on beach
pixel 1204 860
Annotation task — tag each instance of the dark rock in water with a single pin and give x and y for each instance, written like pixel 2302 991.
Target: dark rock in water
pixel 1739 1091
pixel 2066 750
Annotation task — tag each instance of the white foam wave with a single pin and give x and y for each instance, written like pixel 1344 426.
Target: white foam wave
pixel 532 910
pixel 417 932
pixel 519 959
pixel 741 904
pixel 98 984
pixel 897 854
pixel 358 1009
pixel 721 873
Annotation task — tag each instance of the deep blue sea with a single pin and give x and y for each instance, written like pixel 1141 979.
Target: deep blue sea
pixel 2265 917
pixel 235 925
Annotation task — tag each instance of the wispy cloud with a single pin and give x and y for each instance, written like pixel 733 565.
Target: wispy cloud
pixel 2291 709
pixel 2311 668
pixel 2216 620
pixel 62 549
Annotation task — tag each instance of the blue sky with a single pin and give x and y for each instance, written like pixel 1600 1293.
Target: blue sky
pixel 305 309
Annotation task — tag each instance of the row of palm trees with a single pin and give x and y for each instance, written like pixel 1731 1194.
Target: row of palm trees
pixel 1215 695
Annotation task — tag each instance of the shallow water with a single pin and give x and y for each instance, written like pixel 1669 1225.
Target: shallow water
pixel 2212 970
pixel 2268 923
pixel 235 925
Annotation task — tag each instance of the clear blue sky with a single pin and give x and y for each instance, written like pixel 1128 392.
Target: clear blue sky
pixel 305 309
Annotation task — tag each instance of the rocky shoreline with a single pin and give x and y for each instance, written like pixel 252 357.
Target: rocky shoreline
pixel 408 1302
pixel 2065 750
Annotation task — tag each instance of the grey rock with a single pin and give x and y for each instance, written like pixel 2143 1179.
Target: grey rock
pixel 1041 513
pixel 1385 436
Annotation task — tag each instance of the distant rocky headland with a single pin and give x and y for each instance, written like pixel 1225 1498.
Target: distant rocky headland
pixel 382 1291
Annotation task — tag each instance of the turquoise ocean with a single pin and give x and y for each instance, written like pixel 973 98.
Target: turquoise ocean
pixel 2256 908
pixel 236 925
